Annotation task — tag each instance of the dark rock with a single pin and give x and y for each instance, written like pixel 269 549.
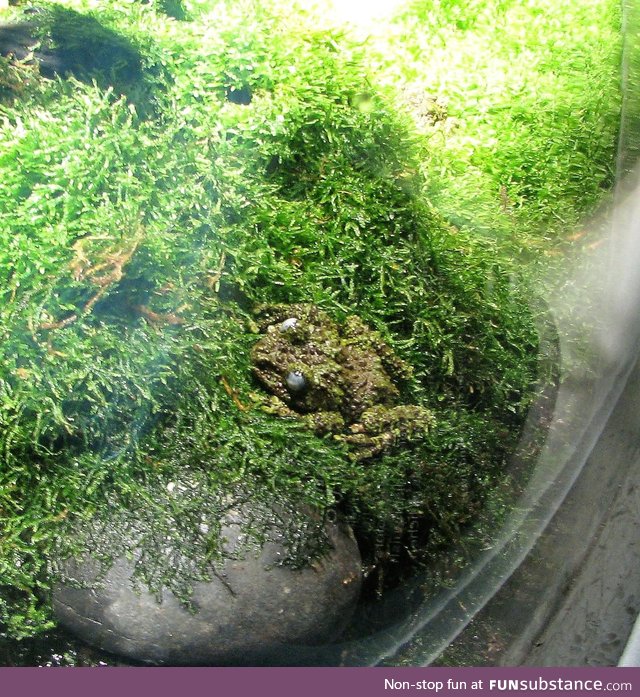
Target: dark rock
pixel 66 43
pixel 253 611
pixel 80 47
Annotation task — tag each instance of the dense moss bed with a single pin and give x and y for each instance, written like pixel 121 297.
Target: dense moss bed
pixel 525 101
pixel 248 160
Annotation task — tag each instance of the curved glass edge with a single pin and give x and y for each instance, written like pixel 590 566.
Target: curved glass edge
pixel 607 321
pixel 599 340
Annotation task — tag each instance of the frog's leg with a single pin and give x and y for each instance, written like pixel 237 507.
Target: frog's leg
pixel 323 422
pixel 405 421
pixel 274 405
pixel 367 446
pixel 381 428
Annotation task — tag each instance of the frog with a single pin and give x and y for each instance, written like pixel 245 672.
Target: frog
pixel 339 379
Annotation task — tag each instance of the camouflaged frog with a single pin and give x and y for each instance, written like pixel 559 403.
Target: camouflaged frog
pixel 338 378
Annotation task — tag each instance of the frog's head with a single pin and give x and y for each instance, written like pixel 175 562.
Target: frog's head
pixel 297 358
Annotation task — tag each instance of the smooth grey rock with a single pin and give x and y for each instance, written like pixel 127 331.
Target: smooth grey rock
pixel 253 611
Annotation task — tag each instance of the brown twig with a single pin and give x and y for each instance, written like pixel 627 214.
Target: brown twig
pixel 159 317
pixel 212 280
pixel 233 394
pixel 81 269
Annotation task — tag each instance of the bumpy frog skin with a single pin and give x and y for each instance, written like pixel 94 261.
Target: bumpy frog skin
pixel 338 378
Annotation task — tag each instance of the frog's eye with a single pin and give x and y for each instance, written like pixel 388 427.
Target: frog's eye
pixel 289 323
pixel 295 382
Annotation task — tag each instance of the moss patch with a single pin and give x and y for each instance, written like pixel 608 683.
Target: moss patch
pixel 521 105
pixel 133 252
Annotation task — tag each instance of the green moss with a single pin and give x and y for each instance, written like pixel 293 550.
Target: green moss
pixel 521 105
pixel 133 252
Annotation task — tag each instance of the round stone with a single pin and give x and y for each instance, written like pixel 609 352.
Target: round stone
pixel 253 611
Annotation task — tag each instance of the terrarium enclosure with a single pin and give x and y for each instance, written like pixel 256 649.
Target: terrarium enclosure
pixel 269 270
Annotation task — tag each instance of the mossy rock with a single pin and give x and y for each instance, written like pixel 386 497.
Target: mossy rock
pixel 248 608
pixel 60 42
pixel 134 252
